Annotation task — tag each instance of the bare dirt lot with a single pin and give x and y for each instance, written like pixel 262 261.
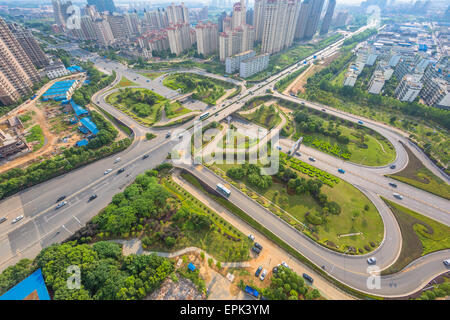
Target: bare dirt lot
pixel 298 84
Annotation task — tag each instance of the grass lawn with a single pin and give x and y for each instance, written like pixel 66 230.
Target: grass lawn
pixel 282 60
pixel 175 109
pixel 124 82
pixel 36 135
pixel 352 219
pixel 134 103
pixel 379 152
pixel 421 235
pixel 266 116
pixel 151 75
pixel 205 89
pixel 223 241
pixel 417 175
pixel 238 140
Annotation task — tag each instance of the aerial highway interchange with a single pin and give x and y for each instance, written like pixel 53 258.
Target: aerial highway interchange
pixel 43 225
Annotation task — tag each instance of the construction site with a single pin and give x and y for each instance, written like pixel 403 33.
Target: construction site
pixel 45 125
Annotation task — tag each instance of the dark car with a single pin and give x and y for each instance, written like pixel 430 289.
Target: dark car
pixel 258 246
pixel 121 170
pixel 258 271
pixel 60 199
pixel 275 269
pixel 307 277
pixel 393 184
pixel 256 250
pixel 393 166
pixel 3 219
pixel 92 197
pixel 145 156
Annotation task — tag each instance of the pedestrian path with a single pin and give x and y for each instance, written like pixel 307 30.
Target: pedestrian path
pixel 134 246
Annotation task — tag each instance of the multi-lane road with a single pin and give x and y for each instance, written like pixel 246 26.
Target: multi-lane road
pixel 44 225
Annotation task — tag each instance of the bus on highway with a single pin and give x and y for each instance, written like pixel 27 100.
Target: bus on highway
pixel 203 116
pixel 221 188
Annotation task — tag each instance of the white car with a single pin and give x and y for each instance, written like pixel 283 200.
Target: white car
pixel 107 171
pixel 284 264
pixel 17 219
pixel 398 196
pixel 372 260
pixel 61 204
pixel 447 262
pixel 251 237
pixel 117 160
pixel 263 275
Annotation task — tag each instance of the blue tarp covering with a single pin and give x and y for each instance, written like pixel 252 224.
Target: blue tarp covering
pixel 74 69
pixel 79 111
pixel 35 282
pixel 191 266
pixel 83 129
pixel 87 122
pixel 423 47
pixel 83 142
pixel 59 88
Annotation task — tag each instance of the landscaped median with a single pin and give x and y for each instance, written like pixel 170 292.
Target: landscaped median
pixel 419 176
pixel 338 137
pixel 143 105
pixel 420 236
pixel 276 240
pixel 205 89
pixel 325 208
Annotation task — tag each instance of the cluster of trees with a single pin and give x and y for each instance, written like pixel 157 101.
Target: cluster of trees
pixel 266 116
pixel 105 273
pixel 98 81
pixel 101 146
pixel 253 174
pixel 143 199
pixel 140 101
pixel 15 274
pixel 287 285
pixel 312 187
pixel 206 89
pixel 309 124
pixel 187 219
